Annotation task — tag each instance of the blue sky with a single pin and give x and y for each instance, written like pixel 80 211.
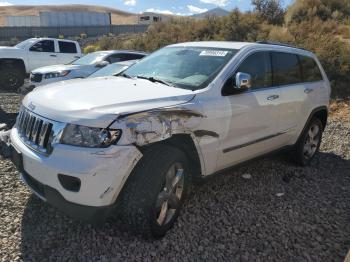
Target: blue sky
pixel 181 7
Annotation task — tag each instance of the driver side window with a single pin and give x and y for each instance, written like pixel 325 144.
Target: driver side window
pixel 47 46
pixel 258 65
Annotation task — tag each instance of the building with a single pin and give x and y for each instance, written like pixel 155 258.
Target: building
pixel 57 19
pixel 149 18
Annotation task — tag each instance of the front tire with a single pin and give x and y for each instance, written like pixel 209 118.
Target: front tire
pixel 152 198
pixel 309 142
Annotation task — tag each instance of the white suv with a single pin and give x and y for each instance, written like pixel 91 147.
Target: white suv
pixel 133 143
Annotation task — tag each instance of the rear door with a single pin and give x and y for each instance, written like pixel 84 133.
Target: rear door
pixel 253 113
pixel 42 53
pixel 287 76
pixel 314 83
pixel 67 52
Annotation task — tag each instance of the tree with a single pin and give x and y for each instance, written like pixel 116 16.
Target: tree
pixel 270 10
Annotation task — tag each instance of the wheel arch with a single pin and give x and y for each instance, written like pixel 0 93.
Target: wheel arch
pixel 319 112
pixel 187 144
pixel 17 62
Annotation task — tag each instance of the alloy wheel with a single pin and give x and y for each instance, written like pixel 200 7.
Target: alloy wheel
pixel 312 141
pixel 168 200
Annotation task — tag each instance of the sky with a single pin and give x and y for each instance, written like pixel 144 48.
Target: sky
pixel 179 7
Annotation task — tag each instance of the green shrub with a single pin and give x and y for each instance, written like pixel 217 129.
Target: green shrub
pixel 322 26
pixel 91 48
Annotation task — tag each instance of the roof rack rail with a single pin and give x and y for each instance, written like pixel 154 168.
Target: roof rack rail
pixel 278 43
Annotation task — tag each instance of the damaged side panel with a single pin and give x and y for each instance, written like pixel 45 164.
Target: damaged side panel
pixel 156 125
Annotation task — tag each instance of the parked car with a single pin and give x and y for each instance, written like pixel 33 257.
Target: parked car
pixel 82 67
pixel 113 69
pixel 18 61
pixel 188 111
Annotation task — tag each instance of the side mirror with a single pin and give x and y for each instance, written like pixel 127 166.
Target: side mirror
pixel 243 81
pixel 102 64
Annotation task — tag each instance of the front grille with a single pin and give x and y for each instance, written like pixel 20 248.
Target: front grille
pixel 36 78
pixel 36 131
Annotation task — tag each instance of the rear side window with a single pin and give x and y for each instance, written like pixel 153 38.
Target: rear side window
pixel 67 47
pixel 310 69
pixel 258 65
pixel 44 46
pixel 286 69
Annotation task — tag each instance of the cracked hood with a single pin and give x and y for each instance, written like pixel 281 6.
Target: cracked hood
pixel 96 102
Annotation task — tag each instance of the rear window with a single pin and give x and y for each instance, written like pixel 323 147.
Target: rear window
pixel 67 47
pixel 121 57
pixel 286 69
pixel 310 69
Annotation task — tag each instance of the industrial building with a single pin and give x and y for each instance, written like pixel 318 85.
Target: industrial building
pixel 58 19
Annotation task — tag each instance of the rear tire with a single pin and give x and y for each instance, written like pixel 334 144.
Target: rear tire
pixel 152 197
pixel 309 143
pixel 11 78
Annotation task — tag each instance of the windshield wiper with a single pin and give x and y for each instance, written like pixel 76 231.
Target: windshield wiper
pixel 155 80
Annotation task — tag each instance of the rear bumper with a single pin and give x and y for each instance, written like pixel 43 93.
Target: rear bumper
pixel 89 214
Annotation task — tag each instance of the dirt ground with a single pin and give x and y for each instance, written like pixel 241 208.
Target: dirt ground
pixel 266 210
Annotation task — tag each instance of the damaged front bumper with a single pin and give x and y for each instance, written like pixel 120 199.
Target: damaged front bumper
pixel 98 176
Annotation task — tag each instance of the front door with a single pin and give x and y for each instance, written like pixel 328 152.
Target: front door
pixel 253 113
pixel 41 54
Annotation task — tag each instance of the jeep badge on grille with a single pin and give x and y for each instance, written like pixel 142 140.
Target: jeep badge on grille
pixel 31 106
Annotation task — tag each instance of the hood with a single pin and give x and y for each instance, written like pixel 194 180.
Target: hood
pixel 58 68
pixel 7 51
pixel 96 102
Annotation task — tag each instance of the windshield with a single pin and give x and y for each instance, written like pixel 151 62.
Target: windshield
pixel 109 70
pixel 25 43
pixel 89 59
pixel 185 67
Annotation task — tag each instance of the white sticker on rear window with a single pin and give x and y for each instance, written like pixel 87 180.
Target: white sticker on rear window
pixel 213 53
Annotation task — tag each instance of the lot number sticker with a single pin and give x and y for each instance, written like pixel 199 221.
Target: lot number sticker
pixel 213 53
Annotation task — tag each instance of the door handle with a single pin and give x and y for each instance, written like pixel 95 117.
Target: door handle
pixel 53 55
pixel 308 90
pixel 273 97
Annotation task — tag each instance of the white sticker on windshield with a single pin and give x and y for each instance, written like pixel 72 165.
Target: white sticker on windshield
pixel 213 53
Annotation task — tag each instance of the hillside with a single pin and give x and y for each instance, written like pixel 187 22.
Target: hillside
pixel 213 12
pixel 118 16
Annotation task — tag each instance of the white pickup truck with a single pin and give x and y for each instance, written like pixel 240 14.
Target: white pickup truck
pixel 18 61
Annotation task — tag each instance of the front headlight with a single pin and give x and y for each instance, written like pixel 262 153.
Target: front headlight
pixel 89 136
pixel 57 74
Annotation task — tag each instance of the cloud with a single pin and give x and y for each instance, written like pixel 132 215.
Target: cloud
pixel 216 2
pixel 5 3
pixel 130 2
pixel 165 12
pixel 196 10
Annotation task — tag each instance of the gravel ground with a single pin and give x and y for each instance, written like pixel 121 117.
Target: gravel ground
pixel 267 210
